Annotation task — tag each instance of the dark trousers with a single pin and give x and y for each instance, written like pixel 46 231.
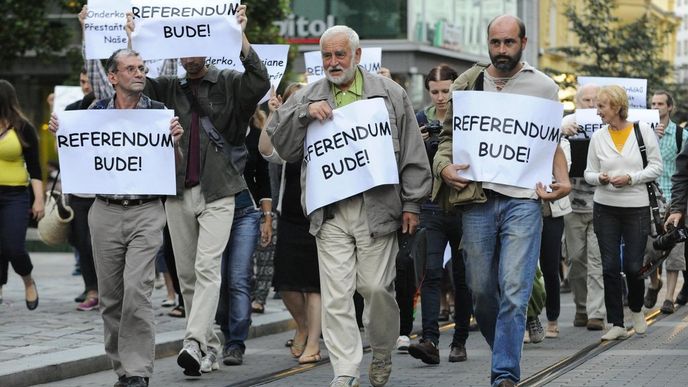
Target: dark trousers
pixel 169 262
pixel 550 255
pixel 612 226
pixel 80 238
pixel 442 227
pixel 14 219
pixel 405 284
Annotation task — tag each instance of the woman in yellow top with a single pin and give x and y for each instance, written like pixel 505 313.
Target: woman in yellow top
pixel 621 211
pixel 19 167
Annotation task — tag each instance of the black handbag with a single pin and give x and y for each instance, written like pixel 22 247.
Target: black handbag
pixel 654 193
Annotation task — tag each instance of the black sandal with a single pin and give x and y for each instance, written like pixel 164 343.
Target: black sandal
pixel 177 311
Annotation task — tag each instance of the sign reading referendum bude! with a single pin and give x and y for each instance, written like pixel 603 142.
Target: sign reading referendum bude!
pixel 636 88
pixel 104 27
pixel 371 61
pixel 116 151
pixel 349 154
pixel 589 122
pixel 505 138
pixel 179 28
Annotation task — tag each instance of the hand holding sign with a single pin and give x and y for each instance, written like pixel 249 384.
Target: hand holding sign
pixel 659 130
pixel 450 175
pixel 275 100
pixel 320 110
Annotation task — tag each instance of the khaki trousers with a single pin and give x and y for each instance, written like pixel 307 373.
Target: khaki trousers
pixel 585 275
pixel 125 242
pixel 199 233
pixel 350 259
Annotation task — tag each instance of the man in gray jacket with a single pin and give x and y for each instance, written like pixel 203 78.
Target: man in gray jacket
pixel 356 236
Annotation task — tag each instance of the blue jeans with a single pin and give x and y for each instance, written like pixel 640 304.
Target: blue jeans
pixel 234 308
pixel 14 219
pixel 502 243
pixel 612 224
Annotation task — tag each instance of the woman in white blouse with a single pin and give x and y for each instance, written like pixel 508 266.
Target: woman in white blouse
pixel 621 210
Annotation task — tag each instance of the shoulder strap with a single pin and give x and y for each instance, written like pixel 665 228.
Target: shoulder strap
pixel 679 139
pixel 641 143
pixel 479 81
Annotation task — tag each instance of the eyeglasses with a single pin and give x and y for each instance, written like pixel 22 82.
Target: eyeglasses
pixel 131 70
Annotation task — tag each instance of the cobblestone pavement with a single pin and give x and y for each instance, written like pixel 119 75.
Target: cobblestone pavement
pixel 657 358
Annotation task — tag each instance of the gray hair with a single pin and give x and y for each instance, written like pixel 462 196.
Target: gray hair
pixel 113 60
pixel 354 41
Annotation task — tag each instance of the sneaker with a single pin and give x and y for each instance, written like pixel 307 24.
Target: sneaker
pixel 136 381
pixel 639 323
pixel 232 356
pixel 426 351
pixel 580 320
pixel 344 381
pixel 403 343
pixel 209 362
pixel 667 307
pixel 552 330
pixel 90 304
pixel 457 353
pixel 121 381
pixel 380 369
pixel 189 358
pixel 616 333
pixel 651 295
pixel 535 330
pixel 595 324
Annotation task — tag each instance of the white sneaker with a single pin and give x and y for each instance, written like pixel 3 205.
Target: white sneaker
pixel 190 358
pixel 209 362
pixel 615 333
pixel 403 343
pixel 639 323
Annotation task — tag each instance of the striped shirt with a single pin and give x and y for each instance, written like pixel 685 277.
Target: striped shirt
pixel 669 150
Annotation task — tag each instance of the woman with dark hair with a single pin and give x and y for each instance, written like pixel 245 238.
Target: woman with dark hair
pixel 441 227
pixel 19 168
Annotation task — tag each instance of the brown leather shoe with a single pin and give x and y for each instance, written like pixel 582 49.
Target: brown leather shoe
pixel 457 353
pixel 580 320
pixel 595 324
pixel 426 351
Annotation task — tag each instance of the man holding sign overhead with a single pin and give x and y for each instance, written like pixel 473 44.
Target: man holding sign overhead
pixel 362 179
pixel 502 221
pixel 215 105
pixel 126 230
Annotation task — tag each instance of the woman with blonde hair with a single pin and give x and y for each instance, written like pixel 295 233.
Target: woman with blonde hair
pixel 621 211
pixel 19 168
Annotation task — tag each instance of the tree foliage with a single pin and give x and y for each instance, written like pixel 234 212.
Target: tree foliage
pixel 26 28
pixel 609 48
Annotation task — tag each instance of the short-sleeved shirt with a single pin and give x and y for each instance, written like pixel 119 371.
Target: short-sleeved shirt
pixel 669 150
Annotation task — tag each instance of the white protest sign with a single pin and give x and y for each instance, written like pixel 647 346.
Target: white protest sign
pixel 64 95
pixel 155 68
pixel 513 144
pixel 349 154
pixel 589 122
pixel 104 31
pixel 179 29
pixel 273 56
pixel 114 151
pixel 636 88
pixel 371 61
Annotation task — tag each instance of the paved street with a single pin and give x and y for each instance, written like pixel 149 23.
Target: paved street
pixel 56 334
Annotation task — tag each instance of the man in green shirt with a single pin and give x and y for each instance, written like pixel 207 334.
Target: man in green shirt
pixel 356 236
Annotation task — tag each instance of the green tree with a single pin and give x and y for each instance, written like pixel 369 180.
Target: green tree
pixel 609 48
pixel 25 28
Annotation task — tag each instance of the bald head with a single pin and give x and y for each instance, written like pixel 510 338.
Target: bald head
pixel 507 21
pixel 586 96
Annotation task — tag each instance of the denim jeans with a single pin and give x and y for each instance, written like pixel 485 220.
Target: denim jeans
pixel 502 243
pixel 14 219
pixel 234 308
pixel 612 224
pixel 442 227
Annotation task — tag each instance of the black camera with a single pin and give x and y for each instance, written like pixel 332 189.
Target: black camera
pixel 668 240
pixel 434 127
